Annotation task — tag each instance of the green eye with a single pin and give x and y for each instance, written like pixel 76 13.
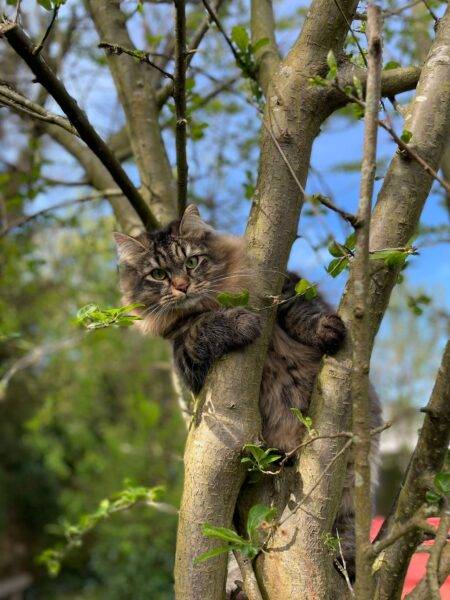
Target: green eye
pixel 191 262
pixel 158 274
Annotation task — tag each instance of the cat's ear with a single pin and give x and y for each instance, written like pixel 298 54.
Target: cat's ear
pixel 128 248
pixel 191 223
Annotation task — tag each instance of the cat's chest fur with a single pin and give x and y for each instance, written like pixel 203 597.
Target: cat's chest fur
pixel 288 378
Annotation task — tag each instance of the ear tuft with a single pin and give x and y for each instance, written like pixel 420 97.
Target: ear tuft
pixel 191 222
pixel 128 248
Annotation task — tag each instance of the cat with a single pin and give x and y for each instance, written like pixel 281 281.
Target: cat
pixel 176 274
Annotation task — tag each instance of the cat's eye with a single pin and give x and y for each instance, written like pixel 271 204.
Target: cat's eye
pixel 159 274
pixel 191 262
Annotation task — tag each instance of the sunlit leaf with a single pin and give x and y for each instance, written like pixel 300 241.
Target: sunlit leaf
pixel 231 299
pixel 306 289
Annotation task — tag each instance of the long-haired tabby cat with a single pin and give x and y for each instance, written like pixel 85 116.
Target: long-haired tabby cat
pixel 176 274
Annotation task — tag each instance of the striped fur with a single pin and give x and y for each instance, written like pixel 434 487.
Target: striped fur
pixel 201 331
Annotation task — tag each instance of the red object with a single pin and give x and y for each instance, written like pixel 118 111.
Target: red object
pixel 417 566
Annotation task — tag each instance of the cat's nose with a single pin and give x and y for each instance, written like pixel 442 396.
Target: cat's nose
pixel 180 284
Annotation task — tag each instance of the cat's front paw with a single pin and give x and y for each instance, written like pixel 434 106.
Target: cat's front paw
pixel 247 325
pixel 330 333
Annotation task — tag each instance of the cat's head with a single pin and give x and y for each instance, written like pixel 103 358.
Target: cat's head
pixel 179 269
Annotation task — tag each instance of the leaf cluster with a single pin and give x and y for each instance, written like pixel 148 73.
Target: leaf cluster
pixel 304 420
pixel 91 316
pixel 441 488
pixel 259 522
pixel 74 534
pixel 246 57
pixel 259 459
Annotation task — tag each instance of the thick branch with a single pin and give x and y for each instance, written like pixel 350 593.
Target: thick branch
pixel 396 216
pixel 22 44
pixel 262 24
pixel 359 329
pixel 426 461
pixel 134 86
pixel 251 586
pixel 230 415
pixel 393 81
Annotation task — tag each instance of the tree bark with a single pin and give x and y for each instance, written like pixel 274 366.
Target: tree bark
pixel 426 461
pixel 138 99
pixel 294 114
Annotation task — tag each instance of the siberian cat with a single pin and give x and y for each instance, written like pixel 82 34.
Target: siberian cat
pixel 176 273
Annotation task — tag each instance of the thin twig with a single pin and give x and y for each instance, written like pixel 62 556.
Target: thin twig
pixel 344 214
pixel 220 27
pixel 435 553
pixel 47 31
pixel 141 56
pixel 21 43
pixel 34 357
pixel 13 99
pixel 418 521
pixel 343 567
pixel 179 95
pixel 108 193
pixel 251 587
pixel 299 504
pixel 403 146
pixel 349 25
pixel 167 90
pixel 16 16
pixel 421 592
pixel 431 11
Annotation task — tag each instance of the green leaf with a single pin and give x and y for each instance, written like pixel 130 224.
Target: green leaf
pixel 231 299
pixel 93 317
pixel 257 515
pixel 358 111
pixel 211 554
pixel 259 44
pixel 332 66
pixel 442 483
pixel 317 81
pixel 350 242
pixel 306 421
pixel 406 136
pixel 392 257
pixel 336 266
pixel 331 542
pixel 433 497
pixel 306 289
pixel 249 551
pixel 222 533
pixel 392 64
pixel 240 37
pixel 358 87
pixel 260 459
pixel 336 249
pixel 47 4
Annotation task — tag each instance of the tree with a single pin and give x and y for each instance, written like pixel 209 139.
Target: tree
pixel 295 95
